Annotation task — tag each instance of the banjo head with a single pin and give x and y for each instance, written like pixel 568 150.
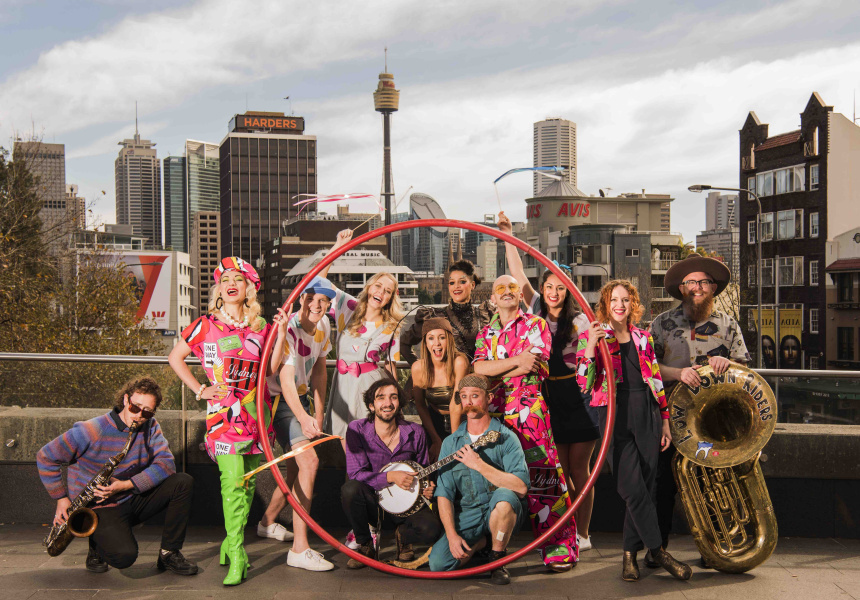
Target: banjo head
pixel 394 499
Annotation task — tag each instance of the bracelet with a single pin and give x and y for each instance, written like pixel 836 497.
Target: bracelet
pixel 200 391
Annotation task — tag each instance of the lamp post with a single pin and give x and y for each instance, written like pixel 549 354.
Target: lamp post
pixel 702 188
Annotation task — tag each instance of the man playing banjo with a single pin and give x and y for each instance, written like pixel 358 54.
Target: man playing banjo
pixel 371 444
pixel 483 493
pixel 692 334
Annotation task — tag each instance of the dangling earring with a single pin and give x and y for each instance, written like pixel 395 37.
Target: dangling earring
pixel 246 303
pixel 219 303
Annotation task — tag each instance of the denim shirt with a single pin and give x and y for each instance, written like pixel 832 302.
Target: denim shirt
pixel 465 487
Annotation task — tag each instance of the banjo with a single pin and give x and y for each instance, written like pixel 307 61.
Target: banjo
pixel 402 503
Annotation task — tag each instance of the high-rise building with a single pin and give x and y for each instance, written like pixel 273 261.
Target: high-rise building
pixel 554 146
pixel 265 162
pixel 175 213
pixel 809 190
pixel 138 188
pixel 47 162
pixel 76 207
pixel 722 235
pixel 205 242
pixel 202 177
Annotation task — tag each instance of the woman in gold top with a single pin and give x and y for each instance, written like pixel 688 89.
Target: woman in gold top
pixel 434 378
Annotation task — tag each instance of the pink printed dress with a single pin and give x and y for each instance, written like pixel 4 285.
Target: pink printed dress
pixel 231 356
pixel 520 402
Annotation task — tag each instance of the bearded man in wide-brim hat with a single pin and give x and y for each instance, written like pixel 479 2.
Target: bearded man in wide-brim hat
pixel 690 335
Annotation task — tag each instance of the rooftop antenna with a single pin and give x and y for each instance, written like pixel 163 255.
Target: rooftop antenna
pixel 136 133
pixel 287 98
pixel 386 59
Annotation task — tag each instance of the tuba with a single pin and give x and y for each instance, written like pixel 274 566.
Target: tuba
pixel 719 429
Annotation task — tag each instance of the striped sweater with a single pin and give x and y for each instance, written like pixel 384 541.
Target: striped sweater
pixel 88 445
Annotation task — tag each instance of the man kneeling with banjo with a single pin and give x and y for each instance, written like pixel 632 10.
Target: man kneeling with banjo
pixel 372 445
pixel 483 493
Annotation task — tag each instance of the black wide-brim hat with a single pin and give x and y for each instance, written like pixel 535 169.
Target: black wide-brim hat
pixel 678 272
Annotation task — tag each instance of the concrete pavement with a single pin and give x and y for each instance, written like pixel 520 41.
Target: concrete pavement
pixel 801 568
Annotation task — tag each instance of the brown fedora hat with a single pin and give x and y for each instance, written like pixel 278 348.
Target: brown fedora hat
pixel 718 271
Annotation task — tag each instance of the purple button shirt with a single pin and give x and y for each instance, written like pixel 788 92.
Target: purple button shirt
pixel 366 453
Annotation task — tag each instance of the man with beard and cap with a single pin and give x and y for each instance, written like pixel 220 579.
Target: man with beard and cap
pixel 692 334
pixel 385 437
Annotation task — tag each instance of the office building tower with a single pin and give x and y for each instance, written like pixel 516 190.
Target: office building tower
pixel 266 161
pixel 554 146
pixel 138 188
pixel 205 242
pixel 175 212
pixel 76 207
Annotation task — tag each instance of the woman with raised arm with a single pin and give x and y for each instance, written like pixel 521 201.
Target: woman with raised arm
pixel 434 378
pixel 641 417
pixel 229 341
pixel 367 333
pixel 467 319
pixel 574 423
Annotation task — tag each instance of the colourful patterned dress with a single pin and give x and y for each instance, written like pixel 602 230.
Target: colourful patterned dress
pixel 520 402
pixel 232 356
pixel 357 364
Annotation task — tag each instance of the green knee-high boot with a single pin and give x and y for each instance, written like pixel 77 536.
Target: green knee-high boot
pixel 251 463
pixel 234 498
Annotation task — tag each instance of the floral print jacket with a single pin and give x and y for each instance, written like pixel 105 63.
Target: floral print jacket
pixel 591 375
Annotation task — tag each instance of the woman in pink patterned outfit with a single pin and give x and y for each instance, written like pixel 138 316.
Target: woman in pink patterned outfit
pixel 229 341
pixel 514 349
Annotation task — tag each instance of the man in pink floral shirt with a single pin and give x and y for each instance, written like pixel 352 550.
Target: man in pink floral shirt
pixel 513 350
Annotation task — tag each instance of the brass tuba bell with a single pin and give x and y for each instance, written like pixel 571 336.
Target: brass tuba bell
pixel 719 429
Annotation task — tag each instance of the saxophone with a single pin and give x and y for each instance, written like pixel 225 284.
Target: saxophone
pixel 82 521
pixel 719 429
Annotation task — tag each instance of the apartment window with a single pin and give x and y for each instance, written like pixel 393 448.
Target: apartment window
pixel 789 224
pixel 631 252
pixel 813 272
pixel 751 276
pixel 791 270
pixel 751 320
pixel 813 320
pixel 767 227
pixel 767 272
pixel 813 225
pixel 813 362
pixel 764 183
pixel 751 231
pixel 813 177
pixel 751 186
pixel 845 343
pixel 844 283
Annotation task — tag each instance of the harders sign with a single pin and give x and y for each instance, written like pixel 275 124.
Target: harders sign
pixel 269 122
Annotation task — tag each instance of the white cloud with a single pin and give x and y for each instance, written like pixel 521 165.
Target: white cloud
pixel 107 144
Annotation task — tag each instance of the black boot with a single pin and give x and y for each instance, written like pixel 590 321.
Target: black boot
pixel 94 562
pixel 629 567
pixel 499 576
pixel 676 568
pixel 172 560
pixel 649 561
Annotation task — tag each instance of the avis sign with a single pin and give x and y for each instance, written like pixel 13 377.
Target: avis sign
pixel 565 209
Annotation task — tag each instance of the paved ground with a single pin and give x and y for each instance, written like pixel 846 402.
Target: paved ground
pixel 801 569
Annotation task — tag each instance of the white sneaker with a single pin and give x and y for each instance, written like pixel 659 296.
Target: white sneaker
pixel 310 560
pixel 583 543
pixel 276 531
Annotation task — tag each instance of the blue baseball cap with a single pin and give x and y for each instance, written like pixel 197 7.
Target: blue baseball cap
pixel 320 285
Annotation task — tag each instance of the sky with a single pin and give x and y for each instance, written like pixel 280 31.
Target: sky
pixel 658 90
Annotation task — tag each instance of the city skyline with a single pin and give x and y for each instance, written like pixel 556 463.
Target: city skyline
pixel 660 110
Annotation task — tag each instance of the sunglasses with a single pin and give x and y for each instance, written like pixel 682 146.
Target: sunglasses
pixel 502 288
pixel 144 412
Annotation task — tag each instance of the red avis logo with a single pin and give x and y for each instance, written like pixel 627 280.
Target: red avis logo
pixel 158 314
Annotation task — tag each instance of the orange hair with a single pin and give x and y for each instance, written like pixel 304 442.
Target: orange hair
pixel 636 308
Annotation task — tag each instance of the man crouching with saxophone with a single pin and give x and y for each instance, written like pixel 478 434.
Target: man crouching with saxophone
pixel 143 484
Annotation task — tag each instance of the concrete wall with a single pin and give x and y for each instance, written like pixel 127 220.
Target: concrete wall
pixel 812 471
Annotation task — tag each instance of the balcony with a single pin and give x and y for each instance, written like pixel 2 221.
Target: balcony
pixel 845 305
pixel 747 163
pixel 660 294
pixel 662 265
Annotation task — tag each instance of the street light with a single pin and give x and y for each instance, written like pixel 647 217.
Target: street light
pixel 758 269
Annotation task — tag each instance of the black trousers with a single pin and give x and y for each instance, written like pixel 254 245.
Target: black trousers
pixel 113 539
pixel 666 492
pixel 635 454
pixel 362 507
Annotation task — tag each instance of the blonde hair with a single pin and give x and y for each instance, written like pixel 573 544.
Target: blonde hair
pixel 636 308
pixel 251 308
pixel 392 313
pixel 451 355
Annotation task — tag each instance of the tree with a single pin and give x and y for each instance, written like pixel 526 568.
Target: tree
pixel 77 302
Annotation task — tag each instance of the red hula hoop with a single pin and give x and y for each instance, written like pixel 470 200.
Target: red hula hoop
pixel 604 446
